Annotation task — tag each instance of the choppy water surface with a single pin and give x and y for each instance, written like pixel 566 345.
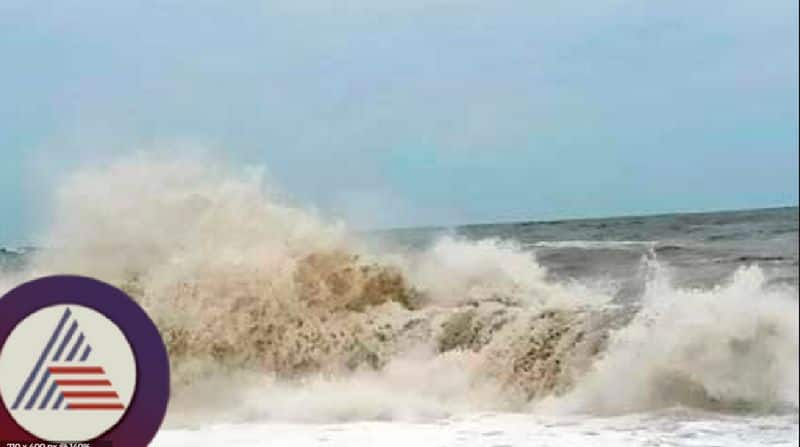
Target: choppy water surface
pixel 283 329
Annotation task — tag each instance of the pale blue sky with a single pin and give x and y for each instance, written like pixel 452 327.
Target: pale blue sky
pixel 419 111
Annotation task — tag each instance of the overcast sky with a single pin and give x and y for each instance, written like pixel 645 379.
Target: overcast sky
pixel 396 113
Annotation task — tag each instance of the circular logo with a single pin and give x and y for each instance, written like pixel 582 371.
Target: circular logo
pixel 81 379
pixel 79 361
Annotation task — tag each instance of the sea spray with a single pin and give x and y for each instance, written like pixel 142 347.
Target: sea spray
pixel 269 312
pixel 731 348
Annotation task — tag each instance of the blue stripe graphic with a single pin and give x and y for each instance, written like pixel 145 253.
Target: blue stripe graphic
pixel 67 338
pixel 75 348
pixel 38 365
pixel 58 402
pixel 36 393
pixel 86 353
pixel 48 395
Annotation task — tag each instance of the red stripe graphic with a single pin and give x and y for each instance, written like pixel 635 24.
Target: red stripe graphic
pixel 83 382
pixel 76 370
pixel 90 394
pixel 81 394
pixel 95 406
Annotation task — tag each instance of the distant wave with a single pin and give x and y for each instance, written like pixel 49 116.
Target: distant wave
pixel 17 251
pixel 757 258
pixel 592 244
pixel 11 251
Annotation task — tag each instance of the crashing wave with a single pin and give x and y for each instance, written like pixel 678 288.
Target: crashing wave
pixel 266 309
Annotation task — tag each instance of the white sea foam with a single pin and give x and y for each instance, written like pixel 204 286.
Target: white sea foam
pixel 270 313
pixel 677 428
pixel 734 347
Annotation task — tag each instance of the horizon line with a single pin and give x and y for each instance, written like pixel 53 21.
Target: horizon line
pixel 578 219
pixel 29 245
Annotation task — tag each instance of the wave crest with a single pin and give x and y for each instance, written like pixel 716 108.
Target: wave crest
pixel 274 303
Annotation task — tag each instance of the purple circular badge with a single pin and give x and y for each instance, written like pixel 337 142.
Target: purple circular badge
pixel 79 361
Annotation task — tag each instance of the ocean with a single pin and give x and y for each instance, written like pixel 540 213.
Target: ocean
pixel 702 249
pixel 287 330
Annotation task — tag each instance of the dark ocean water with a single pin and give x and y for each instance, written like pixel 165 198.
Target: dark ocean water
pixel 700 249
